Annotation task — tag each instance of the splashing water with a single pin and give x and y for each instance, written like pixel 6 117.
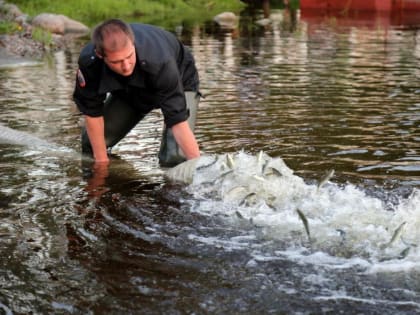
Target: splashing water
pixel 343 221
pixel 12 136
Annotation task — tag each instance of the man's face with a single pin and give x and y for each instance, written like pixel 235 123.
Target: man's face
pixel 121 61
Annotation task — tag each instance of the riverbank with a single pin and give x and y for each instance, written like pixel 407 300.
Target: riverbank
pixel 19 39
pixel 23 45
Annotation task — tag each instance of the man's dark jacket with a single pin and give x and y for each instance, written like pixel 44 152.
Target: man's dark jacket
pixel 164 70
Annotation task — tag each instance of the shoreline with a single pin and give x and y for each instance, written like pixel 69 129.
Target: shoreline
pixel 18 45
pixel 19 50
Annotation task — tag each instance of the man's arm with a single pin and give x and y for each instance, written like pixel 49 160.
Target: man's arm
pixel 95 130
pixel 186 140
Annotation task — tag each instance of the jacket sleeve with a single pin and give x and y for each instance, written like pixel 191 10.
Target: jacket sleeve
pixel 85 94
pixel 170 90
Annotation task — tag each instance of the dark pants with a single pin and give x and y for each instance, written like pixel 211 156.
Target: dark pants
pixel 120 117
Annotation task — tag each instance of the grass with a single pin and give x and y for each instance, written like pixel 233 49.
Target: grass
pixel 7 27
pixel 42 36
pixel 162 12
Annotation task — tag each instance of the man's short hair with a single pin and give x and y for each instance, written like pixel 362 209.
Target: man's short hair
pixel 110 28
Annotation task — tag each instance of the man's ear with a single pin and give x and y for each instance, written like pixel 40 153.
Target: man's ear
pixel 98 54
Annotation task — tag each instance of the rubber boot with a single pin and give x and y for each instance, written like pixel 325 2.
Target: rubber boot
pixel 170 154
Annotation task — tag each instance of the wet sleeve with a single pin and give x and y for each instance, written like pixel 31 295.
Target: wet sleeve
pixel 171 93
pixel 85 94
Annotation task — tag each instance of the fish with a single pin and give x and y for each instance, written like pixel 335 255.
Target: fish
pixel 260 157
pixel 220 164
pixel 230 162
pixel 259 178
pixel 326 178
pixel 202 167
pixel 223 175
pixel 264 166
pixel 248 199
pixel 397 233
pixel 273 171
pixel 404 253
pixel 305 223
pixel 219 178
pixel 235 193
pixel 239 215
pixel 235 190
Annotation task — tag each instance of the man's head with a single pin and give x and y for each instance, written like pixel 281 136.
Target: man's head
pixel 114 43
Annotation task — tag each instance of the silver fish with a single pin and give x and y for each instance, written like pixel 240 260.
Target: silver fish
pixel 239 215
pixel 235 193
pixel 202 167
pixel 260 157
pixel 326 178
pixel 259 178
pixel 230 162
pixel 223 175
pixel 264 166
pixel 248 199
pixel 235 190
pixel 404 253
pixel 305 223
pixel 397 233
pixel 273 171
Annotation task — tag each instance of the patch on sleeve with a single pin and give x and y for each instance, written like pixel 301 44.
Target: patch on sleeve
pixel 81 79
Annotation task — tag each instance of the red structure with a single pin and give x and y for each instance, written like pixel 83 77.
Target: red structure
pixel 395 13
pixel 361 5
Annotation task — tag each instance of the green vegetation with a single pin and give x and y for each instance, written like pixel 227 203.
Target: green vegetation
pixel 293 4
pixel 163 12
pixel 42 36
pixel 7 27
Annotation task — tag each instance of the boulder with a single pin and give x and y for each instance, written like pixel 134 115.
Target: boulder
pixel 226 20
pixel 10 9
pixel 59 24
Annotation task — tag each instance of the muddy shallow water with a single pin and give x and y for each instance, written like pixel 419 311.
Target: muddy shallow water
pixel 316 93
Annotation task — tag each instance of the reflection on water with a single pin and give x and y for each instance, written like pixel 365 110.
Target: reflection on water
pixel 319 92
pixel 327 95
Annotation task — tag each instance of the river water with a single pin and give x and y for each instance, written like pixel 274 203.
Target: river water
pixel 314 94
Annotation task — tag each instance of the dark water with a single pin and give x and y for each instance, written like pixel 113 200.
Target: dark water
pixel 320 93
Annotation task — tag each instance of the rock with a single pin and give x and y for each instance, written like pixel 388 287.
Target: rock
pixel 11 10
pixel 22 19
pixel 227 20
pixel 263 22
pixel 59 24
pixel 19 46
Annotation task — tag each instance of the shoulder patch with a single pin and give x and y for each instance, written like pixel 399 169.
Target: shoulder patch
pixel 81 79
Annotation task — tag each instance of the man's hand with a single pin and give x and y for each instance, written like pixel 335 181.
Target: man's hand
pixel 186 140
pixel 96 184
pixel 95 130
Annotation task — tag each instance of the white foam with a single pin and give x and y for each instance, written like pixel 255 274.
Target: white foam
pixel 345 224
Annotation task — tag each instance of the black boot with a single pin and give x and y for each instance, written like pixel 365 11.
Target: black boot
pixel 170 154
